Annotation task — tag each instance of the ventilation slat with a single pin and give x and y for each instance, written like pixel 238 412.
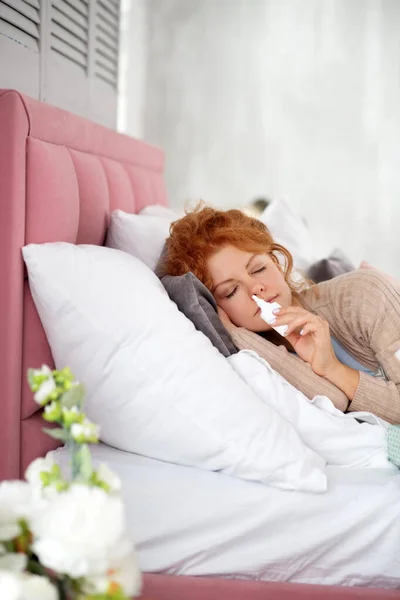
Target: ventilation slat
pixel 19 21
pixel 108 7
pixel 102 66
pixel 34 3
pixel 108 33
pixel 65 50
pixel 107 22
pixel 106 63
pixel 68 38
pixel 107 41
pixel 18 35
pixel 71 13
pixel 103 47
pixel 104 76
pixel 65 23
pixel 79 5
pixel 24 9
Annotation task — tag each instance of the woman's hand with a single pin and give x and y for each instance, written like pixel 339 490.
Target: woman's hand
pixel 310 338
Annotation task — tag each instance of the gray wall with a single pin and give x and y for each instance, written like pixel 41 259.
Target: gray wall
pixel 289 98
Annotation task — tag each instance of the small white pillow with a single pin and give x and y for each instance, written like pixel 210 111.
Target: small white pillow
pixel 289 229
pixel 336 436
pixel 139 235
pixel 154 383
pixel 157 210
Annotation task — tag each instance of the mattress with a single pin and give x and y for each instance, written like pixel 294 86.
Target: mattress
pixel 186 521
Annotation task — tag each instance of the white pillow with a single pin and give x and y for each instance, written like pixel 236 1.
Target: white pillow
pixel 154 383
pixel 139 235
pixel 336 436
pixel 289 229
pixel 157 210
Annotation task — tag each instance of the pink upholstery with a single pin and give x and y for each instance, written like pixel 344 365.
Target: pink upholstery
pixel 164 587
pixel 60 177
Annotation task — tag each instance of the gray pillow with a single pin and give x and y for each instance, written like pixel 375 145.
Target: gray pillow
pixel 198 304
pixel 336 264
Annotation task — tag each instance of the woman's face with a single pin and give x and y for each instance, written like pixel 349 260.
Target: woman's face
pixel 238 275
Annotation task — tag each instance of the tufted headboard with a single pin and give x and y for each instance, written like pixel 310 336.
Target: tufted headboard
pixel 60 178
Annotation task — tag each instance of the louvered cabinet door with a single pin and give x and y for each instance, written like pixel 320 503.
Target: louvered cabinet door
pixel 104 56
pixel 20 45
pixel 64 52
pixel 82 61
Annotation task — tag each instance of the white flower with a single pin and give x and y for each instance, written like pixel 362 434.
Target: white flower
pixel 124 572
pixel 15 561
pixel 71 415
pixel 85 432
pixel 109 477
pixel 9 586
pixel 26 587
pixel 81 532
pixel 44 391
pixel 34 587
pixel 44 370
pixel 16 502
pixel 37 466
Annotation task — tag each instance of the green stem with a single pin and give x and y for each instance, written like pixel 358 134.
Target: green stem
pixel 75 461
pixel 35 567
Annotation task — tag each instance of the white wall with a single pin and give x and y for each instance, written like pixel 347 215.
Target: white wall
pixel 285 98
pixel 132 67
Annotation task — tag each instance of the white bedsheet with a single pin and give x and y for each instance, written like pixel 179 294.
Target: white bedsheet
pixel 192 522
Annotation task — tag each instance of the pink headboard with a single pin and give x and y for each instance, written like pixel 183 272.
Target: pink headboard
pixel 60 178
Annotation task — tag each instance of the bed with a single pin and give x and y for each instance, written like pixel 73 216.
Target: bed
pixel 60 178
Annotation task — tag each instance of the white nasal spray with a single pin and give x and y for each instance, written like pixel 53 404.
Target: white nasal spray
pixel 267 314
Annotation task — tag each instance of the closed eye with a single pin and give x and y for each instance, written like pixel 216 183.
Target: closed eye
pixel 233 292
pixel 259 270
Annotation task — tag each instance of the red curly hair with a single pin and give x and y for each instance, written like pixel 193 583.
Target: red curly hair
pixel 199 234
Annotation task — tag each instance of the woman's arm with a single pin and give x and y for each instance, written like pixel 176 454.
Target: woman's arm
pixel 373 316
pixel 345 378
pixel 291 367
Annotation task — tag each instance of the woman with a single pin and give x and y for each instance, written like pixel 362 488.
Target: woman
pixel 343 335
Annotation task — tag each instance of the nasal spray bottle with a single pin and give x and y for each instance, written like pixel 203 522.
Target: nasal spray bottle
pixel 267 314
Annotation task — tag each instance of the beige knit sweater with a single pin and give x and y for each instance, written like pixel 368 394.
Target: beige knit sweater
pixel 363 312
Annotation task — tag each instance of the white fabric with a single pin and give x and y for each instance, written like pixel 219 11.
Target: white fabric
pixel 155 384
pixel 289 229
pixel 140 235
pixel 157 210
pixel 191 522
pixel 339 438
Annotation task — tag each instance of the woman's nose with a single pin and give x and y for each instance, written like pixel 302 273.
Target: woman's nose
pixel 257 290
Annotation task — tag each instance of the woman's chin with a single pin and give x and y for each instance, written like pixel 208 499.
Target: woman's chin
pixel 259 327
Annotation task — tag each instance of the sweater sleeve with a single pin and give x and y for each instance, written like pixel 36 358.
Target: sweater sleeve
pixel 291 367
pixel 373 315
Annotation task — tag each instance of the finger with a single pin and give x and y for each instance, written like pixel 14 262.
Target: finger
pixel 310 328
pixel 294 322
pixel 292 308
pixel 298 323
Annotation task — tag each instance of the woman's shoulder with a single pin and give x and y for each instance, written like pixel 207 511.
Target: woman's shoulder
pixel 353 284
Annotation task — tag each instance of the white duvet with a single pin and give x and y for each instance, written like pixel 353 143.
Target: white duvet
pixel 191 521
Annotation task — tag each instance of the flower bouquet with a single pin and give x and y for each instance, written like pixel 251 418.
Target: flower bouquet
pixel 65 536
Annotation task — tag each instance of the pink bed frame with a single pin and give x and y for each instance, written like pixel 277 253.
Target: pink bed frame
pixel 60 178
